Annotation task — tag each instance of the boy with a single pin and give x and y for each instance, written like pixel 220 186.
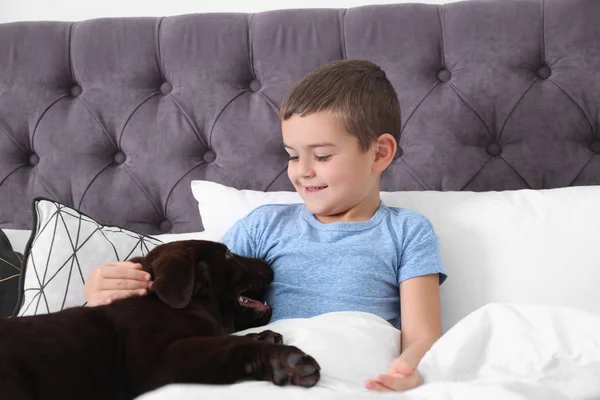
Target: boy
pixel 343 249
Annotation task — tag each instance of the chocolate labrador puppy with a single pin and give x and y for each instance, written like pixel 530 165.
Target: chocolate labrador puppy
pixel 178 333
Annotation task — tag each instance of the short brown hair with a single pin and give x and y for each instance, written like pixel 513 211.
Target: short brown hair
pixel 355 91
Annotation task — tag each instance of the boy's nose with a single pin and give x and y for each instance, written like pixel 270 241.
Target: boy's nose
pixel 305 169
pixel 309 173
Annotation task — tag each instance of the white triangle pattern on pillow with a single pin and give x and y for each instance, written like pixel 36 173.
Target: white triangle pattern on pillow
pixel 65 247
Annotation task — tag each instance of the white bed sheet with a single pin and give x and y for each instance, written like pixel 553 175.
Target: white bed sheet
pixel 501 351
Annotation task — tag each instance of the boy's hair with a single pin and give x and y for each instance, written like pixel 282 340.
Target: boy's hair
pixel 355 91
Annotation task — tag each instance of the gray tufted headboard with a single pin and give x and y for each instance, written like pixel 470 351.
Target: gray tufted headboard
pixel 117 116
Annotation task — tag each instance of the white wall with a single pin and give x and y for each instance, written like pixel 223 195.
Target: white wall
pixel 73 10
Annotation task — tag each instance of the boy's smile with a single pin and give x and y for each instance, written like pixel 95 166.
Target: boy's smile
pixel 313 189
pixel 334 177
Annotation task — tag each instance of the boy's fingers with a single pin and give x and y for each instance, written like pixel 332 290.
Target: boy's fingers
pixel 123 284
pixel 376 386
pixel 112 295
pixel 389 382
pixel 115 272
pixel 399 383
pixel 126 264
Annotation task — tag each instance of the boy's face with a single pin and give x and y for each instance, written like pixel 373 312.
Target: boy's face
pixel 327 167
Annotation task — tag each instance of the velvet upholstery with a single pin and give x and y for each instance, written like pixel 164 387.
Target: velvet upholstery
pixel 116 116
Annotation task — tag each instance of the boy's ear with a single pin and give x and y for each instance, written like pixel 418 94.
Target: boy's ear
pixel 385 151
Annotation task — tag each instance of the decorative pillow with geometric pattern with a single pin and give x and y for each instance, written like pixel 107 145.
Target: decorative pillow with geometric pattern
pixel 65 246
pixel 10 269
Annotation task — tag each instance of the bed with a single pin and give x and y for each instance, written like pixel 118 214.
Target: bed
pixel 144 130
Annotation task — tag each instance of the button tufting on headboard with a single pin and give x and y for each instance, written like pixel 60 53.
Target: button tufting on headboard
pixel 254 85
pixel 33 159
pixel 166 88
pixel 444 75
pixel 75 91
pixel 494 149
pixel 166 226
pixel 209 156
pixel 544 72
pixel 119 158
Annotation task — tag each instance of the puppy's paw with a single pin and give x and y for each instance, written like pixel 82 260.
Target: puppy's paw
pixel 270 337
pixel 291 366
pixel 267 336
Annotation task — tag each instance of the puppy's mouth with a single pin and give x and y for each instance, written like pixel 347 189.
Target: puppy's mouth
pixel 251 303
pixel 250 298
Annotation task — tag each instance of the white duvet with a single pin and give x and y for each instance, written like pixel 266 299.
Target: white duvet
pixel 501 351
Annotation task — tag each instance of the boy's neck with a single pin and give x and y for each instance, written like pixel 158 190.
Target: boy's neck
pixel 360 212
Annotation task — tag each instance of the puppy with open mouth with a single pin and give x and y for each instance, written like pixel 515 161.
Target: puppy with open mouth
pixel 179 333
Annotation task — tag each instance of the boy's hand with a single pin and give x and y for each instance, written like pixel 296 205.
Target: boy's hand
pixel 113 281
pixel 400 377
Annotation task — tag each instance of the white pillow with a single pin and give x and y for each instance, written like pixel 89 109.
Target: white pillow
pixel 220 206
pixel 523 247
pixel 67 245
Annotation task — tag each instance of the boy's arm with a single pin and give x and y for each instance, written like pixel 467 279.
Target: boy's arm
pixel 421 327
pixel 420 275
pixel 421 317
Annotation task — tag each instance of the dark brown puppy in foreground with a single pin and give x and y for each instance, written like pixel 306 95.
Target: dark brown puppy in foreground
pixel 179 333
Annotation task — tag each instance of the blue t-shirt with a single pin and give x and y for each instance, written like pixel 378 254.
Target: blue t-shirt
pixel 340 266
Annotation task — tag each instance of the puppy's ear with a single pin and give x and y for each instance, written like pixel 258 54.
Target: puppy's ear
pixel 136 260
pixel 174 278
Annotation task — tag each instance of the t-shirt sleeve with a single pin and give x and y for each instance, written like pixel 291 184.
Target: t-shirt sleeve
pixel 421 254
pixel 239 240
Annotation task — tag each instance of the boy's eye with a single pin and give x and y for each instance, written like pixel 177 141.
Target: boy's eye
pixel 318 158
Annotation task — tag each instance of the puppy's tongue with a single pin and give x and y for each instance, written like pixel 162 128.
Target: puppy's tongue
pixel 248 302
